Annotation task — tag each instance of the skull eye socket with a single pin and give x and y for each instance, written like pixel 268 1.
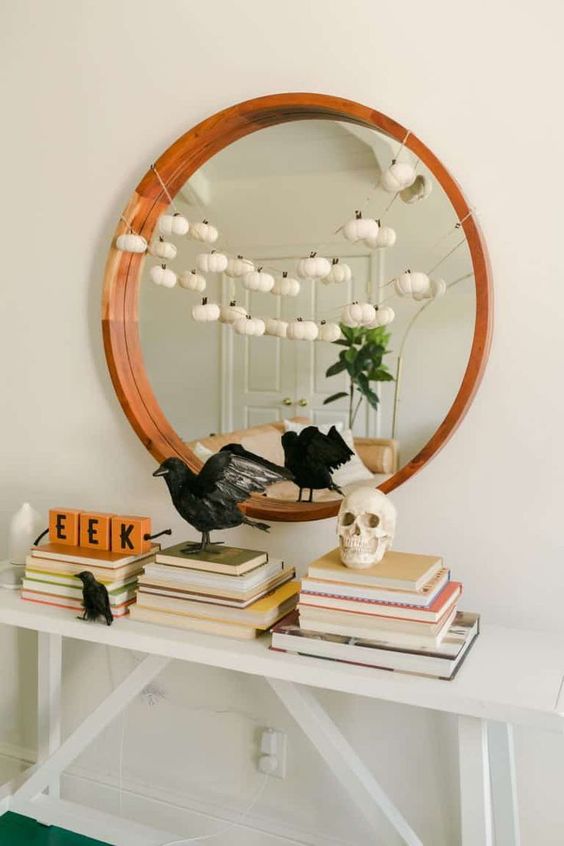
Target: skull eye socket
pixel 348 519
pixel 370 521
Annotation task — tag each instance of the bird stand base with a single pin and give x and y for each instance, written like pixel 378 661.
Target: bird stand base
pixel 11 576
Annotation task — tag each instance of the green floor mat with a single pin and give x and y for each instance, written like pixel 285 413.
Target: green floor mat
pixel 16 830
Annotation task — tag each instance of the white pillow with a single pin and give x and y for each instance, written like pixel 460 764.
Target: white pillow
pixel 202 452
pixel 292 426
pixel 355 470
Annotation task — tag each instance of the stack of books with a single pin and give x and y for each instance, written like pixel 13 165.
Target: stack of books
pixel 51 571
pixel 401 614
pixel 225 590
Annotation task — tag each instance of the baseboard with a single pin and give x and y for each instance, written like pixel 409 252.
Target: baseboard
pixel 104 794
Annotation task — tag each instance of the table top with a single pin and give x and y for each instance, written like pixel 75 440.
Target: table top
pixel 512 675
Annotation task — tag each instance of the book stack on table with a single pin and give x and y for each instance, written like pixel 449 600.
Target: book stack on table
pixel 51 571
pixel 224 590
pixel 401 614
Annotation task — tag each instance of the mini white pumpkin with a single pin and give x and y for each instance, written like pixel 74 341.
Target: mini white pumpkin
pixel 172 224
pixel 204 231
pixel 286 286
pixel 408 284
pixel 163 249
pixel 302 330
pixel 237 267
pixel 131 243
pixel 384 315
pixel 437 289
pixel 249 326
pixel 192 281
pixel 314 267
pixel 211 262
pixel 418 190
pixel 360 228
pixel 277 328
pixel 330 332
pixel 162 275
pixel 339 273
pixel 205 312
pixel 386 237
pixel 258 280
pixel 358 314
pixel 398 176
pixel 232 312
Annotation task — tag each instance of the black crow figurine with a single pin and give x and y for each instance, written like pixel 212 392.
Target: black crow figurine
pixel 95 599
pixel 208 499
pixel 312 457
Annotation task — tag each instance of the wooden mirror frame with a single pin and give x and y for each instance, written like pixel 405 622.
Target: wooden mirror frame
pixel 123 272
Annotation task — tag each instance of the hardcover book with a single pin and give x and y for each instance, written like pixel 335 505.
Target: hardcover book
pixel 228 560
pixel 407 570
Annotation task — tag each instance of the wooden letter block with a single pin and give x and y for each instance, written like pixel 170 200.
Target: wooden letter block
pixel 95 530
pixel 128 535
pixel 64 525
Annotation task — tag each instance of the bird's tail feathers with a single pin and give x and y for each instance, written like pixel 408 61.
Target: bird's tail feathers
pixel 264 527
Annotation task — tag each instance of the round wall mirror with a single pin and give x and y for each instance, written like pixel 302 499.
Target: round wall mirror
pixel 350 282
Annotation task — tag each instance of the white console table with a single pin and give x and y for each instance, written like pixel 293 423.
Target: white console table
pixel 510 677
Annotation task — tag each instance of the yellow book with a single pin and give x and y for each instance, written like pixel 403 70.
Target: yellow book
pixel 407 570
pixel 192 624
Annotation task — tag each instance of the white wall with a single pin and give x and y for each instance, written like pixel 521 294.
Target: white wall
pixel 92 93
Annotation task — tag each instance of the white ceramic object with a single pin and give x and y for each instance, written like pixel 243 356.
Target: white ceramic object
pixel 205 312
pixel 173 224
pixel 366 527
pixel 258 280
pixel 358 314
pixel 411 282
pixel 163 249
pixel 192 281
pixel 360 228
pixel 397 177
pixel 329 332
pixel 204 231
pixel 237 267
pixel 161 275
pixel 384 316
pixel 131 243
pixel 339 273
pixel 386 237
pixel 313 267
pixel 250 326
pixel 231 313
pixel 286 286
pixel 24 527
pixel 437 289
pixel 211 262
pixel 302 330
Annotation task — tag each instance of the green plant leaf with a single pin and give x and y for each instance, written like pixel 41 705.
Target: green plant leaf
pixel 381 374
pixel 335 397
pixel 338 367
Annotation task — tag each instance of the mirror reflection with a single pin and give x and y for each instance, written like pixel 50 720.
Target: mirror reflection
pixel 344 291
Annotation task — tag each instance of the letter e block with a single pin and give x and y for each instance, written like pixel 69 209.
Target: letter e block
pixel 64 525
pixel 95 530
pixel 128 535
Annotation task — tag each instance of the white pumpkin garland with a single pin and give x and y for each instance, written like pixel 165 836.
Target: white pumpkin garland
pixel 205 312
pixel 329 332
pixel 129 242
pixel 338 274
pixel 437 289
pixel 384 316
pixel 397 177
pixel 173 224
pixel 313 267
pixel 249 326
pixel 302 330
pixel 418 190
pixel 231 313
pixel 276 327
pixel 360 228
pixel 162 275
pixel 286 286
pixel 211 262
pixel 204 231
pixel 410 283
pixel 386 237
pixel 192 281
pixel 163 249
pixel 358 314
pixel 237 267
pixel 258 280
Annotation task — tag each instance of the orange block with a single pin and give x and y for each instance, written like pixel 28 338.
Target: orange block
pixel 95 530
pixel 64 525
pixel 128 535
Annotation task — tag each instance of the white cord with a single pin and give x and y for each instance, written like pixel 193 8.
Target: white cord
pixel 230 827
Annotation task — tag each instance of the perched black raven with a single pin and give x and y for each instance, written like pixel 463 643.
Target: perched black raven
pixel 208 499
pixel 312 457
pixel 95 599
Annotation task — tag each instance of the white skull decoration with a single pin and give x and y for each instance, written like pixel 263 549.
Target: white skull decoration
pixel 366 527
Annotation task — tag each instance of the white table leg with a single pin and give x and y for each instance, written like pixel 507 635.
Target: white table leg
pixel 49 672
pixel 475 789
pixel 504 785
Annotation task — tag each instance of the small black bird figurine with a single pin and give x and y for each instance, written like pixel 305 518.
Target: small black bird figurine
pixel 95 599
pixel 208 499
pixel 312 457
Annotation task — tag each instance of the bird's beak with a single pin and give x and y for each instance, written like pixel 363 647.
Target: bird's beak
pixel 160 471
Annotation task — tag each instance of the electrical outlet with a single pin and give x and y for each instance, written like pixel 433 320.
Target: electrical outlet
pixel 272 753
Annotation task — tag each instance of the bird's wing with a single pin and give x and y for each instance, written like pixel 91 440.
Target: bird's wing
pixel 231 477
pixel 239 450
pixel 330 450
